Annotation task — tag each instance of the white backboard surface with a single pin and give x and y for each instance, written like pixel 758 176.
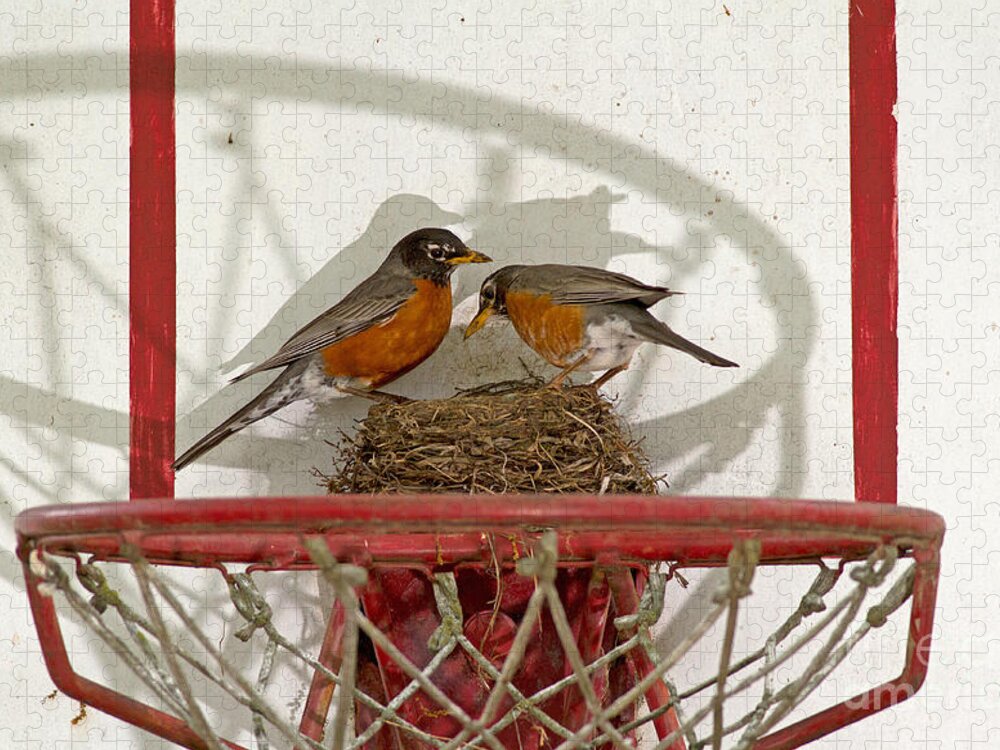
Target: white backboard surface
pixel 696 145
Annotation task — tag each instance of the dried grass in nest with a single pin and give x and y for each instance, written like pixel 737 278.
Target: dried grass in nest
pixel 515 437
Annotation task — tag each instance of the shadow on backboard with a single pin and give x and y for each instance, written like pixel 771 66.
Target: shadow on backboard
pixel 717 432
pixel 570 229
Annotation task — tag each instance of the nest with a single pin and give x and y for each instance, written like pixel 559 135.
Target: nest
pixel 503 438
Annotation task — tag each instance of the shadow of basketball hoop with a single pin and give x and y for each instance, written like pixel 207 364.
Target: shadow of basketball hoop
pixel 717 430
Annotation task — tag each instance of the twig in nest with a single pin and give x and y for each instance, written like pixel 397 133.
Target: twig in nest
pixel 510 437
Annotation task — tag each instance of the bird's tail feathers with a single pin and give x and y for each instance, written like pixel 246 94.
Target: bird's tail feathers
pixel 276 396
pixel 659 332
pixel 247 373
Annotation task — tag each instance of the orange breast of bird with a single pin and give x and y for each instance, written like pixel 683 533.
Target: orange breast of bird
pixel 554 331
pixel 385 352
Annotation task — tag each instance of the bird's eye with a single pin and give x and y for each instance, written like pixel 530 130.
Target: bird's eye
pixel 437 253
pixel 488 293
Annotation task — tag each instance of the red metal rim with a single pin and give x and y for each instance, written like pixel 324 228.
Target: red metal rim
pixel 428 529
pixel 473 512
pixel 438 526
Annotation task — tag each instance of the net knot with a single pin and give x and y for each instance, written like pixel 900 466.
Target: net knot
pixel 880 564
pixel 542 562
pixel 650 605
pixel 812 603
pixel 901 590
pixel 339 574
pixel 450 609
pixel 92 578
pixel 742 562
pixel 249 603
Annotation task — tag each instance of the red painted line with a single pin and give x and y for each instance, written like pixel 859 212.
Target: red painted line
pixel 874 250
pixel 152 250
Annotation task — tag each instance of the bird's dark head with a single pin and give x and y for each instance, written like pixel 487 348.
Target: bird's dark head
pixel 493 297
pixel 434 254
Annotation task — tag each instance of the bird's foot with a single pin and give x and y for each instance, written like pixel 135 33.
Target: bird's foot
pixel 557 381
pixel 596 385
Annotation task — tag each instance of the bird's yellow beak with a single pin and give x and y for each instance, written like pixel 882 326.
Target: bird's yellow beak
pixel 479 321
pixel 470 257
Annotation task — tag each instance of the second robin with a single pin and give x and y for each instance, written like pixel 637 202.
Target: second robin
pixel 387 325
pixel 581 318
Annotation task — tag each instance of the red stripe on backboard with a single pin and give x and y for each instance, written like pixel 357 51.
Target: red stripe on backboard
pixel 874 252
pixel 152 249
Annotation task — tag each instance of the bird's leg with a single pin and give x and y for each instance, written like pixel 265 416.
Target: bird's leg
pixel 557 381
pixel 608 375
pixel 373 395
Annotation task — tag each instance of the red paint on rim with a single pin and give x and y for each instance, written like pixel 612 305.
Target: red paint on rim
pixel 874 251
pixel 152 250
pixel 379 534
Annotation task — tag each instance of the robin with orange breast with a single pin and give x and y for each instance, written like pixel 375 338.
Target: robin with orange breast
pixel 581 318
pixel 387 325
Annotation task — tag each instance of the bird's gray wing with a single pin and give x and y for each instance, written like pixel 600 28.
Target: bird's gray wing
pixel 585 285
pixel 372 302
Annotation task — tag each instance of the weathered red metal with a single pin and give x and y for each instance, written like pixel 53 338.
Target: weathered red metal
pixel 152 249
pixel 436 531
pixel 874 248
pixel 686 520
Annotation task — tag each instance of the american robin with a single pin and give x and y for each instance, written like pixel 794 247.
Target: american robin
pixel 387 325
pixel 581 318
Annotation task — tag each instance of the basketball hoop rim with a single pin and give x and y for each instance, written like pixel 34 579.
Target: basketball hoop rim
pixel 438 532
pixel 693 530
pixel 471 512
